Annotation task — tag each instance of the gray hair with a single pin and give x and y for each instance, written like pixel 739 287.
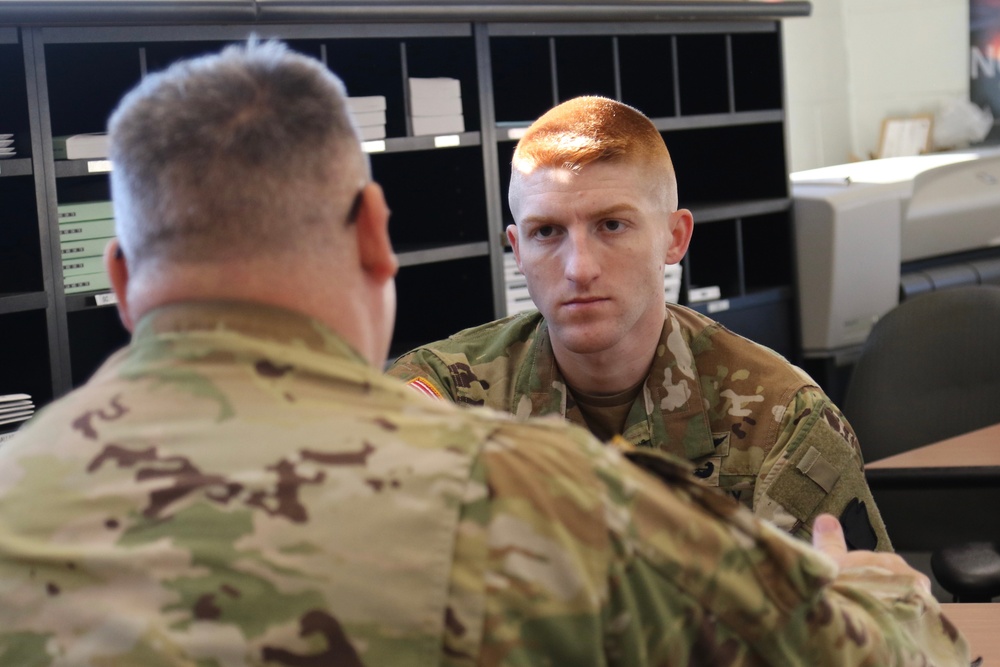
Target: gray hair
pixel 249 152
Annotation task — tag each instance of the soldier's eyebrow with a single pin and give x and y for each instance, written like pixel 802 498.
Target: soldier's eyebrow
pixel 610 211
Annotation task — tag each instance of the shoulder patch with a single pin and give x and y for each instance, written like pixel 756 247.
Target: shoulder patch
pixel 424 386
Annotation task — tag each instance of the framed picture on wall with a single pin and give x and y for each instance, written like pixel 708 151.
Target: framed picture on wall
pixel 905 136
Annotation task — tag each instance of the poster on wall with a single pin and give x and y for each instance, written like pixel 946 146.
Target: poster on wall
pixel 984 54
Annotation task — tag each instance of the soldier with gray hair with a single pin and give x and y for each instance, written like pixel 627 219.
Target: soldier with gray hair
pixel 241 485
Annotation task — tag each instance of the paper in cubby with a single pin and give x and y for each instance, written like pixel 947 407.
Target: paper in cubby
pixel 368 114
pixel 436 105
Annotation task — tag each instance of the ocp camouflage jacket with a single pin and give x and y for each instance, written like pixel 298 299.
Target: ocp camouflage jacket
pixel 753 424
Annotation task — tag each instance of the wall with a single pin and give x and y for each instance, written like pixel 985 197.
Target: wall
pixel 854 62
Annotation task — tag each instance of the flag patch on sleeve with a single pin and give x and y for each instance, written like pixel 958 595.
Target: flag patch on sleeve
pixel 424 386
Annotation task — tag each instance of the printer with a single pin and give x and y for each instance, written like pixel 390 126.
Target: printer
pixel 859 226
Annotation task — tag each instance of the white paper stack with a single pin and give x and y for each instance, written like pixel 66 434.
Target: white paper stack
pixel 672 282
pixel 369 116
pixel 7 148
pixel 14 409
pixel 436 106
pixel 92 146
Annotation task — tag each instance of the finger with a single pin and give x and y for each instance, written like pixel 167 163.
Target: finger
pixel 828 537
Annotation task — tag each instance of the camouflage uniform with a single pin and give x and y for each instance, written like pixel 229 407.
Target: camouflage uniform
pixel 752 423
pixel 237 487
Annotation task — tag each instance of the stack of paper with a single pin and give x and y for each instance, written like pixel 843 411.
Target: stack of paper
pixel 369 116
pixel 7 148
pixel 80 146
pixel 14 409
pixel 436 106
pixel 84 231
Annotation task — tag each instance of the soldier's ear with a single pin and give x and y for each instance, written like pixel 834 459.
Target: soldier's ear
pixel 116 266
pixel 680 226
pixel 374 246
pixel 512 239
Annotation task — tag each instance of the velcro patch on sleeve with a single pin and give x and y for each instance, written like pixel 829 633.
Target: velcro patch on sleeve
pixel 424 386
pixel 818 469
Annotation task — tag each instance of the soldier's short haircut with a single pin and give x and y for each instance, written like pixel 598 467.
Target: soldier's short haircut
pixel 246 152
pixel 594 129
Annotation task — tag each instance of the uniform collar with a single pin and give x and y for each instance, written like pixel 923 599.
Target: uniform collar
pixel 255 320
pixel 672 393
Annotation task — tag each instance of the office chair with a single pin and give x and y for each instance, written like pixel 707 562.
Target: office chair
pixel 930 370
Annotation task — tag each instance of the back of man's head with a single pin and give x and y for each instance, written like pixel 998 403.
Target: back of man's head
pixel 246 153
pixel 594 129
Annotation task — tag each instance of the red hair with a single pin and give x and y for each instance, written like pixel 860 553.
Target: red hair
pixel 594 129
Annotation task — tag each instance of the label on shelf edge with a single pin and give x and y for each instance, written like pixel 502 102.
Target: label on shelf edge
pixel 106 299
pixel 718 306
pixel 377 146
pixel 447 141
pixel 98 166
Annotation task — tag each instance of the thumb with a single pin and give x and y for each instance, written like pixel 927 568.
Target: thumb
pixel 828 537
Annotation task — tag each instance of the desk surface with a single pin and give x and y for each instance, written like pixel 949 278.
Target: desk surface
pixel 979 624
pixel 978 449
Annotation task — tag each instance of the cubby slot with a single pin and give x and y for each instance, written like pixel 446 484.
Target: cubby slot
pixel 20 252
pixel 74 189
pixel 436 300
pixel 505 151
pixel 452 57
pixel 713 258
pixel 585 66
pixel 160 55
pixel 24 356
pixel 371 67
pixel 769 323
pixel 85 83
pixel 768 256
pixel 522 78
pixel 436 196
pixel 757 83
pixel 14 110
pixel 647 74
pixel 725 164
pixel 94 333
pixel 703 74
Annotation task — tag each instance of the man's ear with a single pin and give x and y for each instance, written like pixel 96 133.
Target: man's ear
pixel 512 239
pixel 374 246
pixel 680 226
pixel 117 268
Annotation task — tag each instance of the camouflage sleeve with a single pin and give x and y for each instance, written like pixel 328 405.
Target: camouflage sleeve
pixel 425 372
pixel 816 467
pixel 591 561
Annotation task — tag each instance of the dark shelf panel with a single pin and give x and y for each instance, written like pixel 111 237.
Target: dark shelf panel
pixel 512 131
pixel 18 166
pixel 16 303
pixel 422 143
pixel 751 300
pixel 736 209
pixel 89 300
pixel 430 255
pixel 72 168
pixel 66 168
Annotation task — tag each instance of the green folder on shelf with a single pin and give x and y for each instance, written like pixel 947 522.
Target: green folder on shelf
pixel 88 210
pixel 85 248
pixel 87 229
pixel 87 282
pixel 82 265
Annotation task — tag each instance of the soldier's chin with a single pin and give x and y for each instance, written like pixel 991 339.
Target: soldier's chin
pixel 584 339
